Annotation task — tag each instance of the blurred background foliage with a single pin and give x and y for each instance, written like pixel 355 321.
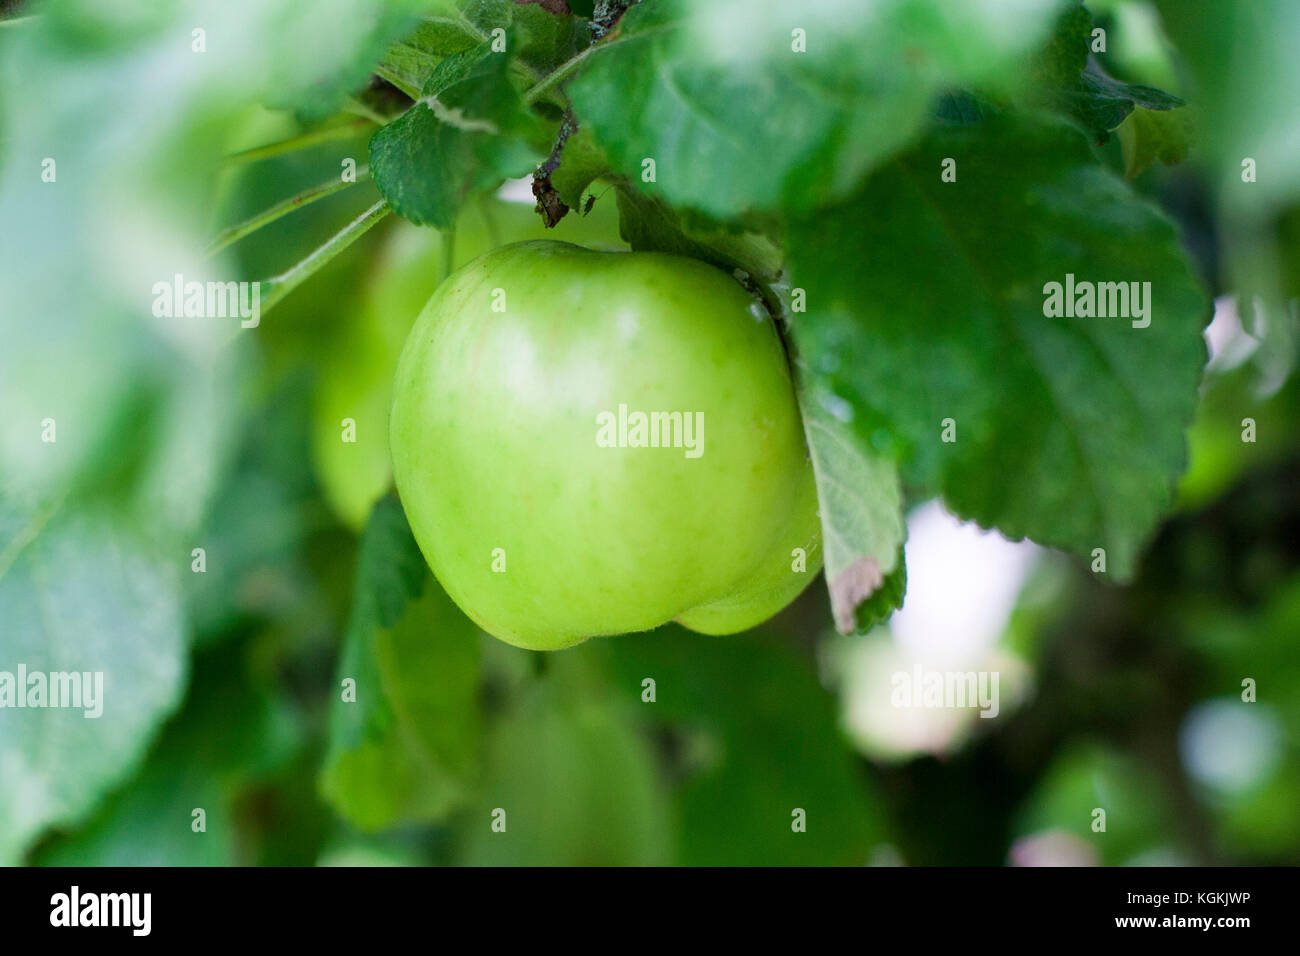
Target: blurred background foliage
pixel 181 434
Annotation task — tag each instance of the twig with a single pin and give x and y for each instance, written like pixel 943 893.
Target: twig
pixel 281 285
pixel 279 210
pixel 448 259
pixel 549 204
pixel 606 14
pixel 306 140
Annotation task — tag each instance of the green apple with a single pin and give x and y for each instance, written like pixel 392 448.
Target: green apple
pixel 550 510
pixel 354 374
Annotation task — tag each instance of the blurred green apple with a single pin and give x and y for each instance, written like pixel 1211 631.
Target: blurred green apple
pixel 592 443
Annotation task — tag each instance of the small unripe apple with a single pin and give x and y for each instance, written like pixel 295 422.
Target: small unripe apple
pixel 590 443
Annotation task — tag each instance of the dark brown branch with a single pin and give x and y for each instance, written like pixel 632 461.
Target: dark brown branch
pixel 549 204
pixel 558 7
pixel 606 16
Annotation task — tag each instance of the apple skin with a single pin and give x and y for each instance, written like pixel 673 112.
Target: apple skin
pixel 354 375
pixel 494 440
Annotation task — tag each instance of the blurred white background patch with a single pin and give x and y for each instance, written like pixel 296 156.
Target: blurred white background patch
pixel 1229 745
pixel 962 585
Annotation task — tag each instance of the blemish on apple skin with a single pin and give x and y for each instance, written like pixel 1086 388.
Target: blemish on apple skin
pixel 757 311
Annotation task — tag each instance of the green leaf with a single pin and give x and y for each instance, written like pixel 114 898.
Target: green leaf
pixel 1066 78
pixel 1150 135
pixel 391 574
pixel 484 15
pixel 960 107
pixel 79 593
pixel 541 40
pixel 545 39
pixel 256 532
pixel 736 119
pixel 886 599
pixel 756 737
pixel 648 223
pixel 328 62
pixel 410 62
pixel 1065 54
pixel 1068 430
pixel 1098 103
pixel 536 41
pixel 861 506
pixel 467 133
pixel 407 748
pixel 149 822
pixel 581 163
pixel 1245 73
